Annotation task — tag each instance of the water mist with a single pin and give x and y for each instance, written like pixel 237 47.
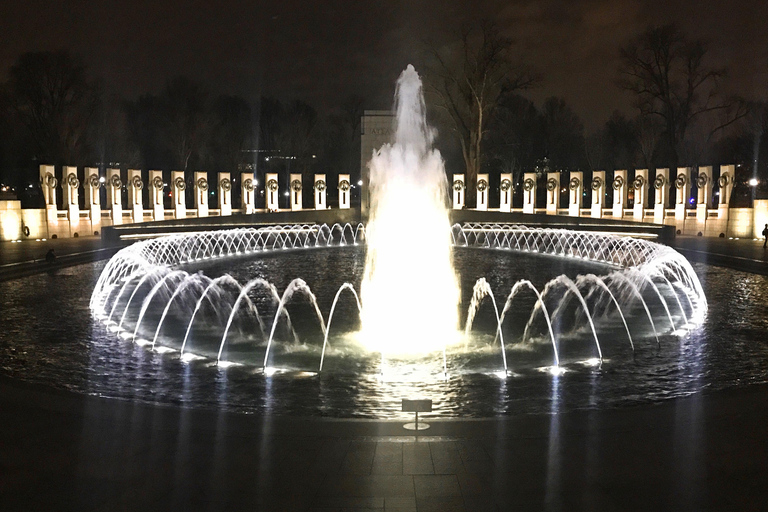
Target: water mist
pixel 410 292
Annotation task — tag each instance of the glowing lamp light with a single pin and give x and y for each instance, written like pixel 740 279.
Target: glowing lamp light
pixel 753 182
pixel 360 182
pixel 102 179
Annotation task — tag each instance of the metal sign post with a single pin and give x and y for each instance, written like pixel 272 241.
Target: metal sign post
pixel 416 406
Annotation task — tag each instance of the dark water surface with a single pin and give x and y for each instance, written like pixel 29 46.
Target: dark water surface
pixel 49 336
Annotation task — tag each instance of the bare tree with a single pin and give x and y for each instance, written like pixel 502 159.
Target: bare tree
pixel 467 82
pixel 184 106
pixel 667 73
pixel 55 101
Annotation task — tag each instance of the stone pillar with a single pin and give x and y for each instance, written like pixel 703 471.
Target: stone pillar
pixel 620 188
pixel 225 194
pixel 48 183
pixel 135 200
pixel 598 194
pixel 115 195
pixel 272 190
pixel 553 192
pixel 458 191
pixel 760 217
pixel 505 193
pixel 344 191
pixel 725 182
pixel 201 193
pixel 482 192
pixel 704 192
pixel 682 191
pixel 661 184
pixel 93 196
pixel 529 192
pixel 321 192
pixel 179 194
pixel 157 194
pixel 640 186
pixel 575 190
pixel 296 197
pixel 248 192
pixel 71 188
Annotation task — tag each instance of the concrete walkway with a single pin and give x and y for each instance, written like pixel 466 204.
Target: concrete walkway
pixel 28 257
pixel 743 254
pixel 63 451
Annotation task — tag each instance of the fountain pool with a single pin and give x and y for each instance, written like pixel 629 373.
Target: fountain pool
pixel 73 349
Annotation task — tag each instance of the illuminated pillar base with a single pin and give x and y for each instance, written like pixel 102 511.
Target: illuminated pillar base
pixel 248 192
pixel 482 192
pixel 661 186
pixel 178 193
pixel 320 192
pixel 458 189
pixel 529 192
pixel 272 192
pixel 598 194
pixel 225 194
pixel 295 190
pixel 344 191
pixel 505 193
pixel 575 191
pixel 553 193
pixel 201 193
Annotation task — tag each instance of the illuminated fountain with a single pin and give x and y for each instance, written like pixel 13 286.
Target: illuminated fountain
pixel 157 293
pixel 647 282
pixel 408 181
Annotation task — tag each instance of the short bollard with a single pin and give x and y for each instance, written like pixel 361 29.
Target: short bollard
pixel 416 406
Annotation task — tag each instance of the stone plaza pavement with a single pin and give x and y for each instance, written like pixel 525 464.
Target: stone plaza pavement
pixel 61 451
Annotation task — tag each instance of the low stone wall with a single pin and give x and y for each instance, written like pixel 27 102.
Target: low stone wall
pixel 18 224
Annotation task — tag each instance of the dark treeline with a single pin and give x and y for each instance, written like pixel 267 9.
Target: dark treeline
pixel 53 112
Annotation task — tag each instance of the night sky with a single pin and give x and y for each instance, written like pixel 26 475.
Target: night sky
pixel 325 51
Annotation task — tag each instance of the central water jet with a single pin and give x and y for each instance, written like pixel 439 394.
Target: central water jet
pixel 410 291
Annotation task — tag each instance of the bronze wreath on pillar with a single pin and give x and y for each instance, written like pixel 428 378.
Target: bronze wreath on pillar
pixel 72 180
pixel 528 184
pixel 51 180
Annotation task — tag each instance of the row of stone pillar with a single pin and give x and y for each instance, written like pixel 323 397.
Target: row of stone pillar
pixel 663 183
pixel 71 186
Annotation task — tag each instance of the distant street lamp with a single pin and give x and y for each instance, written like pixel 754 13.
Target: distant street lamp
pixel 753 182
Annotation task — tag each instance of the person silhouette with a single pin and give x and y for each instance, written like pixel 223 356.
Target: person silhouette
pixel 50 257
pixel 765 236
